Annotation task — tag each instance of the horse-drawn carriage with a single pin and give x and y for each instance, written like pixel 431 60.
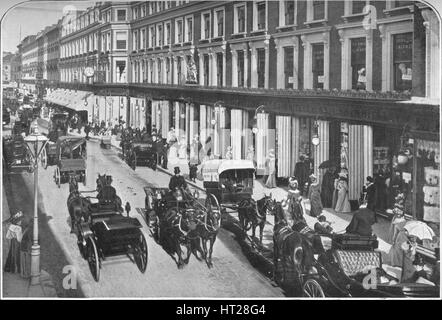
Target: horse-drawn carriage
pixel 102 230
pixel 140 153
pixel 180 219
pixel 334 265
pixel 56 128
pixel 16 154
pixel 231 182
pixel 70 159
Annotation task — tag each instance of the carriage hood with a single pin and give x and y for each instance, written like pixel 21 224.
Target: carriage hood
pixel 218 166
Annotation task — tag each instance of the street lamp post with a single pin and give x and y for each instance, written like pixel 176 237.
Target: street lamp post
pixel 255 126
pixel 35 143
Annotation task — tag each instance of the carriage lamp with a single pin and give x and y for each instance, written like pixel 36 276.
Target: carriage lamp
pixel 35 142
pixel 121 103
pixel 315 138
pixel 85 102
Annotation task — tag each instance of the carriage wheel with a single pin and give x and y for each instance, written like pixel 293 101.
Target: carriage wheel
pixel 312 289
pixel 57 176
pixel 212 202
pixel 141 254
pixel 93 259
pixel 44 159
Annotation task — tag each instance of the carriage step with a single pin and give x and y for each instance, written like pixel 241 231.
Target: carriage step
pixel 117 259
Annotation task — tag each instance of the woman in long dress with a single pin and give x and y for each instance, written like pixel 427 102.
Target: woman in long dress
pixel 271 180
pixel 335 193
pixel 343 204
pixel 314 195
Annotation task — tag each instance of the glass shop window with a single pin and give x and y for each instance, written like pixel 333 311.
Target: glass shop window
pixel 206 69
pixel 219 69
pixel 357 7
pixel 261 6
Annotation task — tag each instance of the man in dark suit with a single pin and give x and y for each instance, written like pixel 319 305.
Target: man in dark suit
pixel 361 222
pixel 302 172
pixel 371 195
pixel 177 181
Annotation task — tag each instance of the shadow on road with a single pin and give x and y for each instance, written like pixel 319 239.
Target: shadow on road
pixel 18 188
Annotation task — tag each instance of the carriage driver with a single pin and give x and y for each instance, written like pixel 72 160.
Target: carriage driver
pixel 177 181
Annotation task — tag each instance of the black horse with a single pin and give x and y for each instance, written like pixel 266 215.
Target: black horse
pixel 253 214
pixel 79 207
pixel 207 229
pixel 292 254
pixel 173 235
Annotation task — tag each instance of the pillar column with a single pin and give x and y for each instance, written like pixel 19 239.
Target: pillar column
pixel 247 135
pixel 284 147
pixel 280 80
pixel 201 68
pixel 368 151
pixel 267 64
pixel 235 133
pixel 234 68
pixel 261 142
pixel 253 68
pixel 203 124
pixel 356 172
pixel 295 144
pixel 321 152
pixel 213 71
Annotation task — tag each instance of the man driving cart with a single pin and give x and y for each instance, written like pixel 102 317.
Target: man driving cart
pixel 177 183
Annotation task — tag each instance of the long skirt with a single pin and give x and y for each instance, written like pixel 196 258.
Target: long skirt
pixel 271 181
pixel 343 204
pixel 315 204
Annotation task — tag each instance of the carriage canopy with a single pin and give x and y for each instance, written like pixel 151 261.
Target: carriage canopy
pixel 213 169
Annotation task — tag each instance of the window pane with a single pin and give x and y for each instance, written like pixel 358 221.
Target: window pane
pixel 358 6
pixel 219 64
pixel 318 65
pixel 206 26
pixel 288 67
pixel 358 63
pixel 220 20
pixel 318 10
pixel 261 68
pixel 261 15
pixel 189 29
pixel 398 4
pixel 402 56
pixel 289 12
pixel 241 19
pixel 206 70
pixel 240 68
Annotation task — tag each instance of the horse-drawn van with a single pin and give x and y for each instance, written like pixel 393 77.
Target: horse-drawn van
pixel 230 181
pixel 70 159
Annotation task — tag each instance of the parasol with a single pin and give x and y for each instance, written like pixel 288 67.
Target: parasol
pixel 328 163
pixel 419 229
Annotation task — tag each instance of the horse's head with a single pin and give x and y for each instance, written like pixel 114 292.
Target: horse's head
pixel 278 212
pixel 214 219
pixel 269 204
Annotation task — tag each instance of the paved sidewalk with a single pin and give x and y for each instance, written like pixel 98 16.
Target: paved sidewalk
pixel 15 286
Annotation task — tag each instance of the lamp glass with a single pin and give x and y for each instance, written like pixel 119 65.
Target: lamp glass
pixel 315 140
pixel 255 130
pixel 213 122
pixel 33 139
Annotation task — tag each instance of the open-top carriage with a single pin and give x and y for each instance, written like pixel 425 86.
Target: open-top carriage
pixel 179 219
pixel 352 267
pixel 141 153
pixel 103 232
pixel 334 265
pixel 70 159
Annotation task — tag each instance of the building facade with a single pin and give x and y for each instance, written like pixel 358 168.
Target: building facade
pixel 363 77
